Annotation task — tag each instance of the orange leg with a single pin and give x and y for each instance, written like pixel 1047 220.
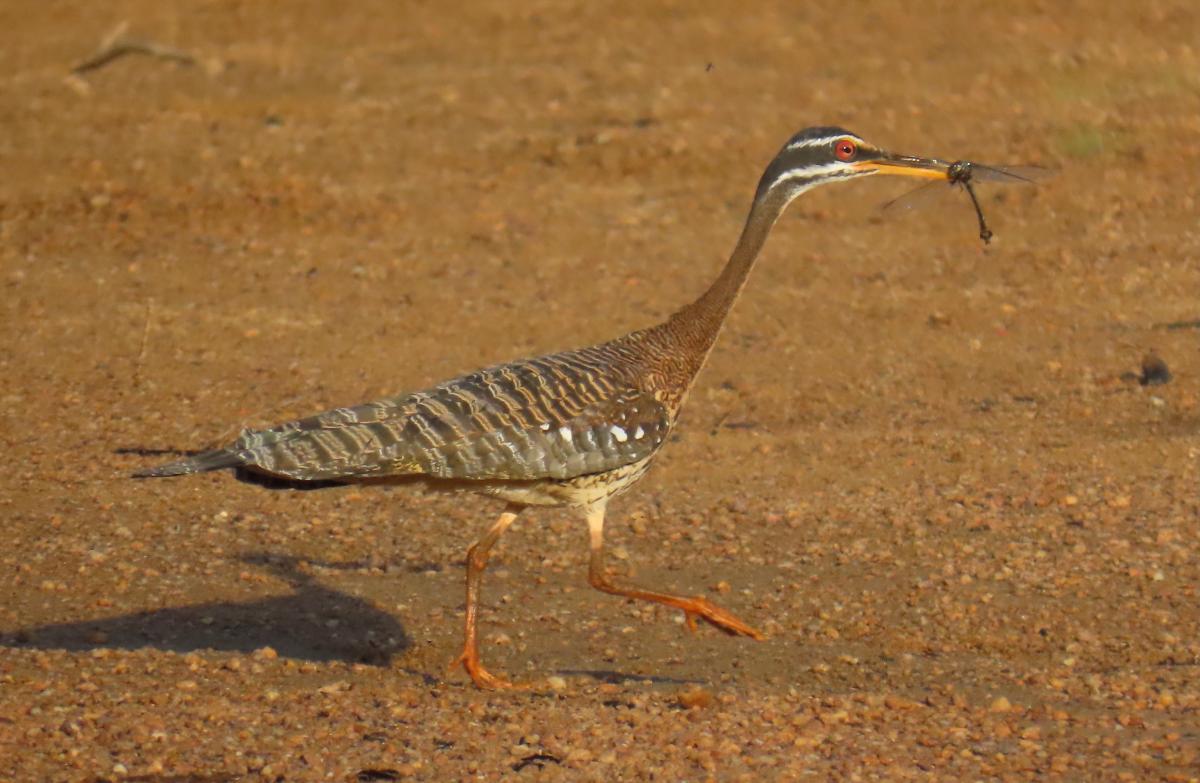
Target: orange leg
pixel 695 607
pixel 477 558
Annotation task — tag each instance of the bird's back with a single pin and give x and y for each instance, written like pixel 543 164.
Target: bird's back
pixel 557 416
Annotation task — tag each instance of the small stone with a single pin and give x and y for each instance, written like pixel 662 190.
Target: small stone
pixel 834 716
pixel 1001 704
pixel 1154 371
pixel 334 687
pixel 578 756
pixel 266 654
pixel 556 683
pixel 695 698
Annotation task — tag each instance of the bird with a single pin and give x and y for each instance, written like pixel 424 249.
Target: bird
pixel 570 429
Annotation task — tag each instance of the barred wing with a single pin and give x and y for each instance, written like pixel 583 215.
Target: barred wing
pixel 556 417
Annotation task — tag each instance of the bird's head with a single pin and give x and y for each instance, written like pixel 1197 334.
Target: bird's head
pixel 816 156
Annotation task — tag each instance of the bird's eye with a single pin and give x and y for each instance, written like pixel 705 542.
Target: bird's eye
pixel 845 149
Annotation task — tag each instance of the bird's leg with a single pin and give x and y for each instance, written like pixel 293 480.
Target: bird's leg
pixel 477 557
pixel 693 607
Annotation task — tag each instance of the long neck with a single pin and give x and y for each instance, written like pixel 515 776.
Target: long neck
pixel 698 324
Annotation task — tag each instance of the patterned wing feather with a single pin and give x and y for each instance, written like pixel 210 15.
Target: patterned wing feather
pixel 607 434
pixel 555 417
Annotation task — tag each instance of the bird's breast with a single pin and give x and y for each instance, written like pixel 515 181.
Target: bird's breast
pixel 577 491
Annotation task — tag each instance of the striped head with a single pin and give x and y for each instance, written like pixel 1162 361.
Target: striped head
pixel 816 156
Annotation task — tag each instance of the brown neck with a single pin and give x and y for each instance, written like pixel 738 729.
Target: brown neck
pixel 695 327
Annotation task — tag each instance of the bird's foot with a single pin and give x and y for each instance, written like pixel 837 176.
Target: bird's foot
pixel 482 678
pixel 701 607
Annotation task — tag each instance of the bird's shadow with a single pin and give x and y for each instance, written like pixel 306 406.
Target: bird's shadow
pixel 312 623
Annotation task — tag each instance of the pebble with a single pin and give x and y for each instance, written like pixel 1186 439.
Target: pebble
pixel 1154 371
pixel 695 697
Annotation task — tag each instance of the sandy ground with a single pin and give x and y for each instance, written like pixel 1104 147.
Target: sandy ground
pixel 925 467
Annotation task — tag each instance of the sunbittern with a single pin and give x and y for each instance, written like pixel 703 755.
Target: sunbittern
pixel 567 429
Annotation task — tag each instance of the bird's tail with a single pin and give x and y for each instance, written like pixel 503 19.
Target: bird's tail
pixel 201 463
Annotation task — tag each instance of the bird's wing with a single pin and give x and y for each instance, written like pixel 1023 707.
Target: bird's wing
pixel 556 417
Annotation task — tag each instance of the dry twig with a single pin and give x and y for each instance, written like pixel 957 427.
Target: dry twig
pixel 117 44
pixel 137 366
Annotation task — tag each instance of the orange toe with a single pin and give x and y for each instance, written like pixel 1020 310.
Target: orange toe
pixel 714 615
pixel 482 678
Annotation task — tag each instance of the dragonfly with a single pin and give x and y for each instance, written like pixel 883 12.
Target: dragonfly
pixel 966 174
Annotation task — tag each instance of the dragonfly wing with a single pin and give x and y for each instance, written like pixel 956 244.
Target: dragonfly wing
pixel 913 199
pixel 979 173
pixel 1009 175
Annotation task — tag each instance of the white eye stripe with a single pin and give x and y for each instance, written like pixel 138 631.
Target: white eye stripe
pixel 817 172
pixel 811 142
pixel 822 142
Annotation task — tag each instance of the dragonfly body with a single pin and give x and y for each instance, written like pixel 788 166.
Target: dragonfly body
pixel 966 174
pixel 961 172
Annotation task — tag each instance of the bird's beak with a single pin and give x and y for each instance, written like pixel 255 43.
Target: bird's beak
pixel 906 166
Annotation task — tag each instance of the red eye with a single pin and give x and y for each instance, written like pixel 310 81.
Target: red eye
pixel 845 149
